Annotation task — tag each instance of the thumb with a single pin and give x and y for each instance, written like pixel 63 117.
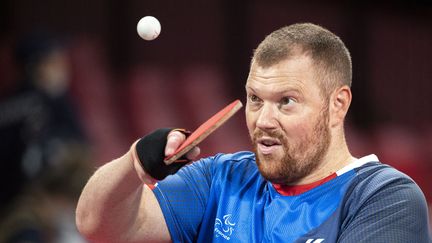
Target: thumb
pixel 174 140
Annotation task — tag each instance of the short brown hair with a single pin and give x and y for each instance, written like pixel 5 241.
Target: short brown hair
pixel 327 51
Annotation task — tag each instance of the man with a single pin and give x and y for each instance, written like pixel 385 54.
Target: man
pixel 301 184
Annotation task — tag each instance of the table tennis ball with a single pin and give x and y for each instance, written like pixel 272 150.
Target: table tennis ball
pixel 148 28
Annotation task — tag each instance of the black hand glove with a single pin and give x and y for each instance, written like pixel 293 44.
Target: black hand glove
pixel 151 153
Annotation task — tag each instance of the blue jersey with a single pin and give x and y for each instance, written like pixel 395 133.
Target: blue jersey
pixel 225 199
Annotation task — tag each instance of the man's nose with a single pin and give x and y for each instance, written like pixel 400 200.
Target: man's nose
pixel 267 118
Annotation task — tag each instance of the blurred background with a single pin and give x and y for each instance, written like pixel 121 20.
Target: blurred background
pixel 78 86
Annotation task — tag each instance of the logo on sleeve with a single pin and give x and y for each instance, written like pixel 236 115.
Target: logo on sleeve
pixel 224 228
pixel 314 240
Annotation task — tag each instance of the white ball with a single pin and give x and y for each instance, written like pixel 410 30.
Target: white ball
pixel 148 28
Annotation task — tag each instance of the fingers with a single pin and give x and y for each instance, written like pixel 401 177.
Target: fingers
pixel 174 140
pixel 193 153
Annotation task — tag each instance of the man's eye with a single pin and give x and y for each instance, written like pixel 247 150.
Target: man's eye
pixel 286 100
pixel 254 98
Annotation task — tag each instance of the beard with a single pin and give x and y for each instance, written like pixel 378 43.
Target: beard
pixel 299 158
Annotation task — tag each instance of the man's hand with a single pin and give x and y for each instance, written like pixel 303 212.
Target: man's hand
pixel 149 153
pixel 175 139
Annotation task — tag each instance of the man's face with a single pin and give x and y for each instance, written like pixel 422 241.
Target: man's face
pixel 287 119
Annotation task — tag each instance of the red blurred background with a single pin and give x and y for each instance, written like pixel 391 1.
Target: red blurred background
pixel 124 87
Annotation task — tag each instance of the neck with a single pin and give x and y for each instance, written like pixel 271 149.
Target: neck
pixel 337 157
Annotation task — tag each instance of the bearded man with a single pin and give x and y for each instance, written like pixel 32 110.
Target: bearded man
pixel 301 183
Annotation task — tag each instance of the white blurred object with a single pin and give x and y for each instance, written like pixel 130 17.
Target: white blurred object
pixel 148 28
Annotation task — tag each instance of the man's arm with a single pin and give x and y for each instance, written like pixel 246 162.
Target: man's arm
pixel 116 206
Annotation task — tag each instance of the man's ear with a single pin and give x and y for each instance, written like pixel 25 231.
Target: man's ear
pixel 340 101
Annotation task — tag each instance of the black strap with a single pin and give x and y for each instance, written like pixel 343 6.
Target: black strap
pixel 151 153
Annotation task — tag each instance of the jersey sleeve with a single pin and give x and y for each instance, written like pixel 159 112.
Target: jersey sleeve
pixel 390 208
pixel 183 198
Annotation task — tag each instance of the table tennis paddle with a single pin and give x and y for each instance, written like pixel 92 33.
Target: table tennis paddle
pixel 204 130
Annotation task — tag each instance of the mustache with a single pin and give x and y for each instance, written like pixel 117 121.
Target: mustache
pixel 261 133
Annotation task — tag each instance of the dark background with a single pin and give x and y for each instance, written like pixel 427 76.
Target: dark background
pixel 124 87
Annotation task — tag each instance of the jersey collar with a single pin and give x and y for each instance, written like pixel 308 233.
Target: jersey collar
pixel 287 190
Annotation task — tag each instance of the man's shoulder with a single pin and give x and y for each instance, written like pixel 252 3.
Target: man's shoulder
pixel 228 159
pixel 238 157
pixel 239 164
pixel 378 174
pixel 382 192
pixel 379 180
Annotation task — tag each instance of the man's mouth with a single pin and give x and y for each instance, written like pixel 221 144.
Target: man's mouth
pixel 268 145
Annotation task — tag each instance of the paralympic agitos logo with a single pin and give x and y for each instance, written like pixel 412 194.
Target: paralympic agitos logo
pixel 224 228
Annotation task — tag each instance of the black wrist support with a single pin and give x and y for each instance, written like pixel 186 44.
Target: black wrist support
pixel 151 153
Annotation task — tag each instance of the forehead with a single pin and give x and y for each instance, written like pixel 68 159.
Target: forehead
pixel 296 73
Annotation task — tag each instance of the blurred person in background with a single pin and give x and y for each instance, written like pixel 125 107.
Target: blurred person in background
pixel 43 155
